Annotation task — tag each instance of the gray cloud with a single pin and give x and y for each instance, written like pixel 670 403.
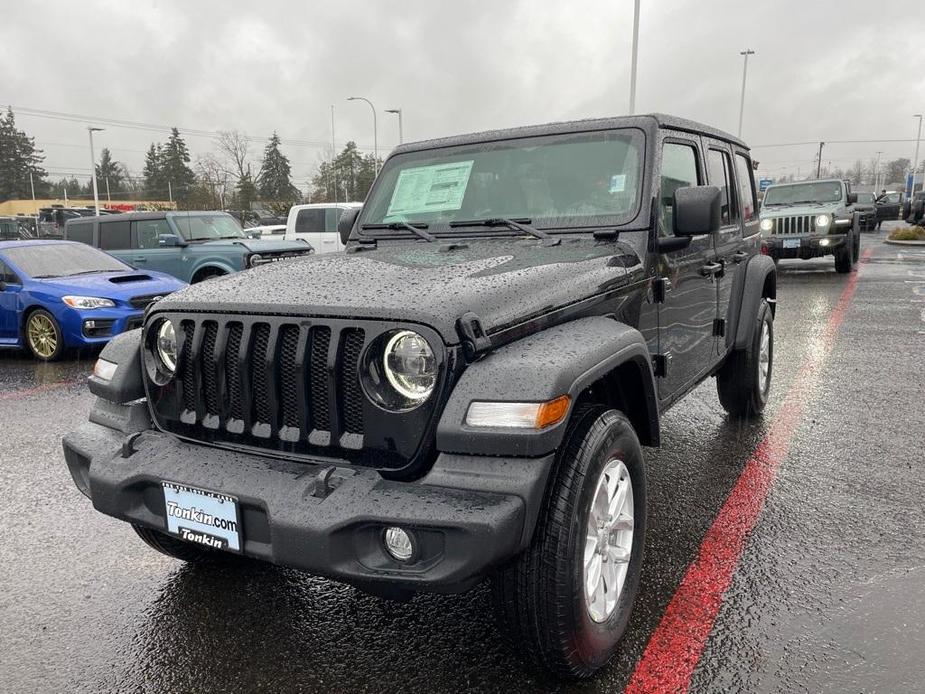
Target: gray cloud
pixel 823 70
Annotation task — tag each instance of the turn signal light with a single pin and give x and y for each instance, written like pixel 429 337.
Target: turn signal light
pixel 518 415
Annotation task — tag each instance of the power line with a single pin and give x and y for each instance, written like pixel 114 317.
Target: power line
pixel 828 142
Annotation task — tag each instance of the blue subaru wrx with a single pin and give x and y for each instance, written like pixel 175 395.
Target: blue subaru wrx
pixel 56 295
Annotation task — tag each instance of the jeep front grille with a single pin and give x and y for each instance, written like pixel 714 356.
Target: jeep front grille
pixel 794 225
pixel 284 384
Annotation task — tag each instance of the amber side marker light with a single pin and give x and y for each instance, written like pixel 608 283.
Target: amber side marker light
pixel 518 415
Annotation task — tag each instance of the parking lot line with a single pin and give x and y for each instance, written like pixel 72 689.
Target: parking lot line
pixel 26 392
pixel 674 649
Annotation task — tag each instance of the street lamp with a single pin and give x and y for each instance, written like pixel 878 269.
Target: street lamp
pixel 401 137
pixel 375 130
pixel 96 196
pixel 747 52
pixel 635 55
pixel 915 158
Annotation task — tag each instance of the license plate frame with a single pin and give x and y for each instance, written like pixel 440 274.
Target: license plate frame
pixel 203 516
pixel 791 243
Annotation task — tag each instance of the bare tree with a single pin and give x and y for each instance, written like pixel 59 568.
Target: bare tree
pixel 213 175
pixel 234 146
pixel 857 172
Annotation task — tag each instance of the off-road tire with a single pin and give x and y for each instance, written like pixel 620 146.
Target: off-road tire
pixel 856 249
pixel 738 382
pixel 844 256
pixel 176 548
pixel 539 596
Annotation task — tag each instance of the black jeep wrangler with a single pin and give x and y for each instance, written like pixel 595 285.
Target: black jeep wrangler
pixel 466 391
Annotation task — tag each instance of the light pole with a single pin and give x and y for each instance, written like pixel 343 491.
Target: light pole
pixel 96 196
pixel 634 59
pixel 877 173
pixel 333 154
pixel 915 157
pixel 375 130
pixel 401 136
pixel 747 52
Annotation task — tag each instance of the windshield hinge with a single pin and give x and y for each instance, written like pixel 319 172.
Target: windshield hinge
pixel 474 339
pixel 363 245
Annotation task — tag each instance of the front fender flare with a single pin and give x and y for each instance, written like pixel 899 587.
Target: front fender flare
pixel 565 359
pixel 760 282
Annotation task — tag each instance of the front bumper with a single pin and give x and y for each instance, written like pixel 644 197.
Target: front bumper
pixel 468 514
pixel 804 247
pixel 115 320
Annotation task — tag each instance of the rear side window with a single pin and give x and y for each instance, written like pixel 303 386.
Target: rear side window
pixel 82 232
pixel 720 171
pixel 115 236
pixel 7 275
pixel 331 217
pixel 679 170
pixel 309 221
pixel 746 187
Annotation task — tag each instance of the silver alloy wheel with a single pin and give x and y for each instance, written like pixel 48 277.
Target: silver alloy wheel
pixel 608 540
pixel 764 358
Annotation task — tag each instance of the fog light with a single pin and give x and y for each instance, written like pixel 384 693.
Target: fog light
pixel 90 324
pixel 824 242
pixel 398 543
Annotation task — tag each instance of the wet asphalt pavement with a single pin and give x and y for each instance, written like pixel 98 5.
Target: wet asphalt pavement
pixel 829 593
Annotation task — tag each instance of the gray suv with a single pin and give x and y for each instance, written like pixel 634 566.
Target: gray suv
pixel 811 219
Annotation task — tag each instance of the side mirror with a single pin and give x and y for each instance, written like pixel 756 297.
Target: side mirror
pixel 2 285
pixel 697 210
pixel 346 222
pixel 852 198
pixel 254 235
pixel 171 240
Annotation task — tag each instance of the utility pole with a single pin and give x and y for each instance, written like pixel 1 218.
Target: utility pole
pixel 35 207
pixel 401 136
pixel 375 130
pixel 915 157
pixel 96 196
pixel 334 155
pixel 108 196
pixel 634 59
pixel 819 163
pixel 877 173
pixel 169 191
pixel 747 52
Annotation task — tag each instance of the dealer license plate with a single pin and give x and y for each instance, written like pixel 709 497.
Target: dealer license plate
pixel 791 243
pixel 207 518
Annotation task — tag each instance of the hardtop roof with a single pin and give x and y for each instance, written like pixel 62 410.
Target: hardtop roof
pixel 645 121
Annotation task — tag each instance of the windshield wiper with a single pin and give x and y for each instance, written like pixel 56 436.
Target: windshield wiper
pixel 519 224
pixel 806 202
pixel 86 272
pixel 416 228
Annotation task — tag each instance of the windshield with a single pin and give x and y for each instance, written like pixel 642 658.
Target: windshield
pixel 207 227
pixel 866 198
pixel 570 180
pixel 62 260
pixel 819 192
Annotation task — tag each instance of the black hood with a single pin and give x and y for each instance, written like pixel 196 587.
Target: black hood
pixel 503 281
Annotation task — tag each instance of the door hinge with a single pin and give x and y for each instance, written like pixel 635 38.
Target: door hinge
pixel 719 327
pixel 660 364
pixel 660 288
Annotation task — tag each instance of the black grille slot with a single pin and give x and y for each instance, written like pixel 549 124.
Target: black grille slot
pixel 318 378
pixel 209 381
pixel 259 383
pixel 234 389
pixel 189 366
pixel 288 375
pixel 351 396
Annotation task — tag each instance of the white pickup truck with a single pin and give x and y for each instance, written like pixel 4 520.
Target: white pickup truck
pixel 317 224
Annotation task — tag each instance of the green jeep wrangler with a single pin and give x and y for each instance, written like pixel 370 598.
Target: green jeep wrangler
pixel 811 219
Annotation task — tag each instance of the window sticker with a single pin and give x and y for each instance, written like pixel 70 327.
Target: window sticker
pixel 618 183
pixel 438 188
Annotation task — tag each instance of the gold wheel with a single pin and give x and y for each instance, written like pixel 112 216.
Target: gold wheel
pixel 42 335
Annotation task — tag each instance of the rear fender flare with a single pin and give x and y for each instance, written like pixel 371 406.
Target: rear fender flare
pixel 759 282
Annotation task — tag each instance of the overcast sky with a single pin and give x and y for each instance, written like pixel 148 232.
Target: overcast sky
pixel 829 70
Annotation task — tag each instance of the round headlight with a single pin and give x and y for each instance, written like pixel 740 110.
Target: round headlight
pixel 767 224
pixel 410 366
pixel 254 259
pixel 822 220
pixel 166 346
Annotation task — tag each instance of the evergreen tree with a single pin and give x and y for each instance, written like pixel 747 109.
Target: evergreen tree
pixel 111 171
pixel 153 177
pixel 351 172
pixel 274 182
pixel 18 158
pixel 245 192
pixel 174 166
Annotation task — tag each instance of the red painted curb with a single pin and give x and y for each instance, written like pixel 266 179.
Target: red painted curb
pixel 26 392
pixel 675 647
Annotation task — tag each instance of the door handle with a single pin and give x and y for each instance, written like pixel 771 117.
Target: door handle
pixel 139 259
pixel 712 270
pixel 739 256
